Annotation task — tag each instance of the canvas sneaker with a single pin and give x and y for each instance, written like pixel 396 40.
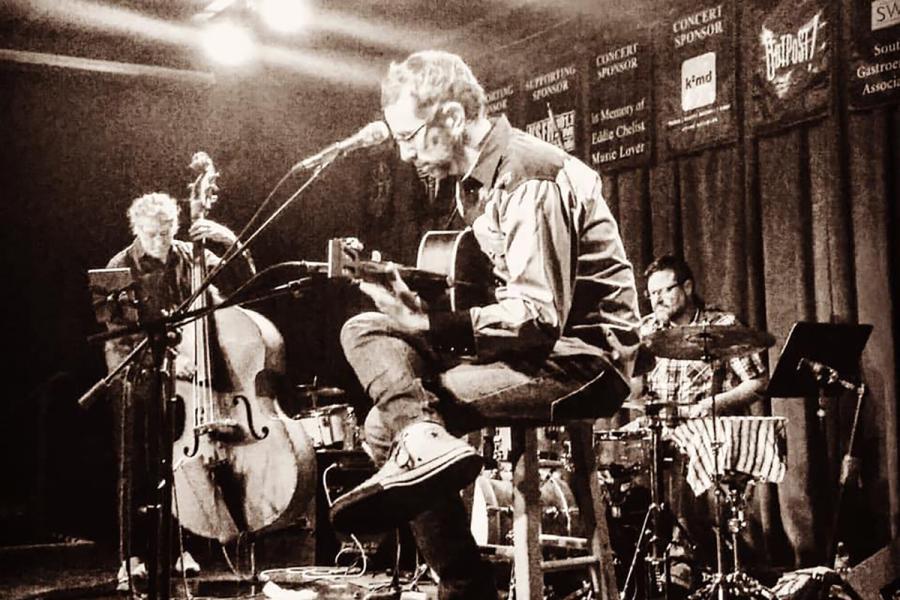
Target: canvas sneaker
pixel 424 464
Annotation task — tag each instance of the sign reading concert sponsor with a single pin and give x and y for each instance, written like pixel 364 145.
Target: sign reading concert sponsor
pixel 696 79
pixel 875 53
pixel 553 90
pixel 792 74
pixel 621 85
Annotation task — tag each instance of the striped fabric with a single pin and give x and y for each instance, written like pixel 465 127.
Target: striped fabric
pixel 755 446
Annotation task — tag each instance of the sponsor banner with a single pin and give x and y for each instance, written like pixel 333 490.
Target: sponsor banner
pixel 621 84
pixel 503 99
pixel 874 70
pixel 554 90
pixel 791 62
pixel 696 77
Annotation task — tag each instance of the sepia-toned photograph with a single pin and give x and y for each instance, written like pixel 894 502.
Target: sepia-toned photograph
pixel 450 300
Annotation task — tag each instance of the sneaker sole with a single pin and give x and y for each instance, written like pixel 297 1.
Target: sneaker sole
pixel 388 503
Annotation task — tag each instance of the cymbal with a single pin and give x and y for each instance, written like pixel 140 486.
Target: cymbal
pixel 707 342
pixel 651 406
pixel 319 391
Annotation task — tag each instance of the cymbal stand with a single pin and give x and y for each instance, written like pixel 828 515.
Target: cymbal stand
pixel 655 522
pixel 737 583
pixel 722 585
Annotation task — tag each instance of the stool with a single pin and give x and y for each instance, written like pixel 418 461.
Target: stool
pixel 528 564
pixel 576 412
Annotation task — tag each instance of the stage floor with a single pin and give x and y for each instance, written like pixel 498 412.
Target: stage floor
pixel 49 583
pixel 81 570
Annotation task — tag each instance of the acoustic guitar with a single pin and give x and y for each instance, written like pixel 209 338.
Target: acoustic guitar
pixel 451 272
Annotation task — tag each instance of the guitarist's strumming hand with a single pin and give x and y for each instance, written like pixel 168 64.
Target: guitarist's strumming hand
pixel 394 298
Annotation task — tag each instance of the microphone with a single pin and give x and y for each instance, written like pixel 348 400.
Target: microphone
pixel 371 135
pixel 825 373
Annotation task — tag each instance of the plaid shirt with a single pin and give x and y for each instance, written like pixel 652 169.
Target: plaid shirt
pixel 689 381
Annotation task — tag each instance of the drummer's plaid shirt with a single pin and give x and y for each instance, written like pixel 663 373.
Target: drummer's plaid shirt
pixel 689 381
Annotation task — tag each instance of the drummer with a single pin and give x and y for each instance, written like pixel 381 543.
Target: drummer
pixel 673 297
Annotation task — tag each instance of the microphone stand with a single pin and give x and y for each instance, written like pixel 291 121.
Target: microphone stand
pixel 828 378
pixel 657 524
pixel 159 447
pixel 232 251
pixel 159 547
pixel 159 334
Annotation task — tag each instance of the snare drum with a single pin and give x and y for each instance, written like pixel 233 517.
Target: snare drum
pixel 331 427
pixel 622 452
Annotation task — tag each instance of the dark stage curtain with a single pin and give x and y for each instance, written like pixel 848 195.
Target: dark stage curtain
pixel 796 226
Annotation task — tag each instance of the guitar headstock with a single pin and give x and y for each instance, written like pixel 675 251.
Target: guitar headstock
pixel 204 188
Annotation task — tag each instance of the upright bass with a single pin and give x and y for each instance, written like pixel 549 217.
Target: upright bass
pixel 240 465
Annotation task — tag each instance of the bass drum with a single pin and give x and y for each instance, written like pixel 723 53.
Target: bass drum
pixel 492 510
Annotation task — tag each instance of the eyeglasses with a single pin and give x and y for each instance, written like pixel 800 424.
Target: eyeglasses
pixel 664 290
pixel 406 138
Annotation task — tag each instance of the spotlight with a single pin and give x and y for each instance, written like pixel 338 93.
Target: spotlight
pixel 284 16
pixel 228 43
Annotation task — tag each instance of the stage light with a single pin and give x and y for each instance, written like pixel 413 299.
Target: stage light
pixel 228 43
pixel 284 16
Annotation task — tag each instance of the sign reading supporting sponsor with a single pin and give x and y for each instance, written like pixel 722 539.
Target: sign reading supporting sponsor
pixel 502 100
pixel 558 89
pixel 696 80
pixel 875 53
pixel 621 84
pixel 792 70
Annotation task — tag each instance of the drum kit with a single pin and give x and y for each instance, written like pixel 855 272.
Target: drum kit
pixel 721 453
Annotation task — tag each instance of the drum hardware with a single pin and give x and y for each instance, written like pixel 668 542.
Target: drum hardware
pixel 621 454
pixel 735 488
pixel 314 392
pixel 713 344
pixel 653 529
pixel 554 449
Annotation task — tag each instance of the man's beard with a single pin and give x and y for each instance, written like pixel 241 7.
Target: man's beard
pixel 670 314
pixel 441 166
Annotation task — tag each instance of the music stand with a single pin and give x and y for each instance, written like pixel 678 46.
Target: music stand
pixel 835 345
pixel 819 358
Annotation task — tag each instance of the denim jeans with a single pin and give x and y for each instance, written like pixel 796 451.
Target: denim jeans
pixel 400 374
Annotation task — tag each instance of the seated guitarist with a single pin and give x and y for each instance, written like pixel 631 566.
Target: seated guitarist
pixel 563 315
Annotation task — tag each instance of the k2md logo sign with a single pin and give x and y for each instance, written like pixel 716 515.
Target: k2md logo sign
pixel 698 81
